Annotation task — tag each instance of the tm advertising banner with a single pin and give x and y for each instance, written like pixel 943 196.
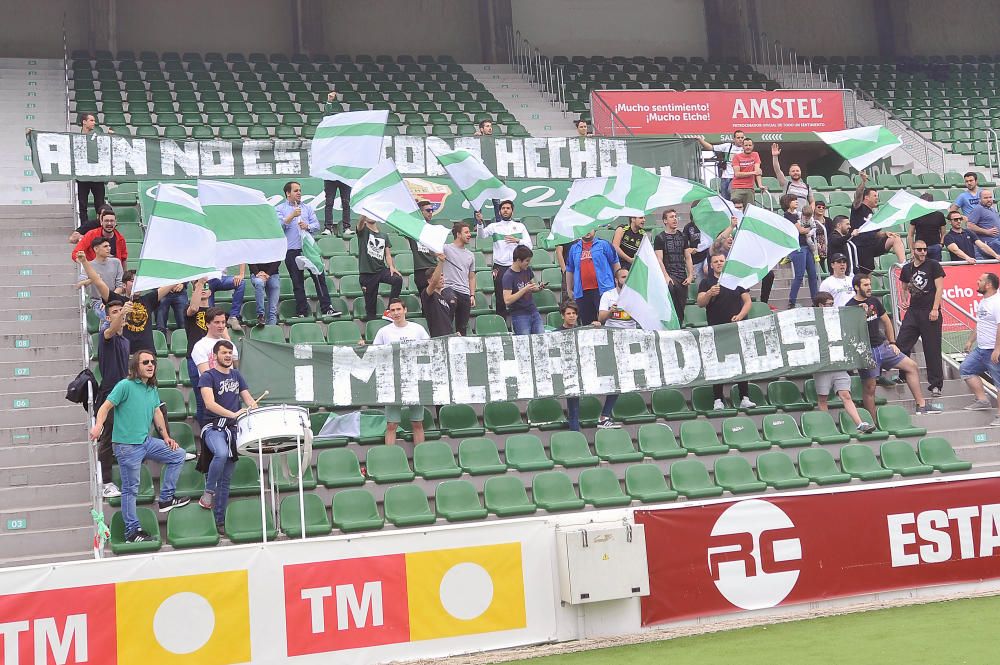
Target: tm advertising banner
pixel 783 550
pixel 716 111
pixel 587 361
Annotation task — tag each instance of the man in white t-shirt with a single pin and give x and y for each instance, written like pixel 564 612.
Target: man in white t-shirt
pixel 610 315
pixel 728 149
pixel 838 284
pixel 201 352
pixel 401 330
pixel 983 347
pixel 506 234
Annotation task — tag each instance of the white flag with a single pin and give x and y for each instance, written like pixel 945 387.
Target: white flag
pixel 347 145
pixel 645 295
pixel 762 240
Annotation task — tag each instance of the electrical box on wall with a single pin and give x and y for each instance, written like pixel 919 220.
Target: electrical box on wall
pixel 602 562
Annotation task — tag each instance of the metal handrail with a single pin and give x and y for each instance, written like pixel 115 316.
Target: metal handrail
pixel 992 150
pixel 535 68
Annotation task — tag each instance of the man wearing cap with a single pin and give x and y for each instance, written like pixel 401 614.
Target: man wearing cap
pixel 838 284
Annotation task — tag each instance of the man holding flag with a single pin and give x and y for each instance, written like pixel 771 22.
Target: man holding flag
pixel 871 244
pixel 724 305
pixel 506 233
pixel 297 217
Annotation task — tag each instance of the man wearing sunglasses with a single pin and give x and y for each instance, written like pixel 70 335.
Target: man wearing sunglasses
pixel 963 244
pixel 924 280
pixel 136 404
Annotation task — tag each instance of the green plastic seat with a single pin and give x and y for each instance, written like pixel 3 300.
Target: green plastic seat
pixel 147 522
pixel 355 510
pixel 600 488
pixel 505 497
pixel 819 426
pixel 459 421
pixel 243 521
pixel 781 428
pixel 700 438
pixel 670 404
pixel 406 505
pixel 317 422
pixel 343 333
pixel 646 483
pixel 491 324
pixel 546 413
pixel 433 460
pixel 458 501
pixel 778 470
pixel 268 334
pixel 858 460
pixel 590 411
pixel 145 493
pixel 695 317
pixel 658 441
pixel 388 464
pixel 615 445
pixel 938 453
pixel 173 399
pixel 287 479
pixel 847 426
pixel 895 420
pixel 818 465
pixel 245 480
pixel 857 390
pixel 480 457
pixel 631 408
pixel 740 432
pixel 900 458
pixel 317 520
pixel 703 401
pixel 166 375
pixel 735 475
pixel 553 491
pixel 570 449
pixel 191 526
pixel 525 452
pixel 160 343
pixel 190 482
pixel 339 468
pixel 786 396
pixel 756 395
pixel 306 333
pixel 503 418
pixel 690 479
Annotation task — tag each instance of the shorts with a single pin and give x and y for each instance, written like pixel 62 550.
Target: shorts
pixel 744 195
pixel 829 382
pixel 884 358
pixel 394 413
pixel 978 362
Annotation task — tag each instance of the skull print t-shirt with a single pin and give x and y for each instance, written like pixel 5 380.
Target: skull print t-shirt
pixel 919 282
pixel 371 251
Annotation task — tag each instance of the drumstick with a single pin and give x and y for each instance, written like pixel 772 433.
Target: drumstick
pixel 262 396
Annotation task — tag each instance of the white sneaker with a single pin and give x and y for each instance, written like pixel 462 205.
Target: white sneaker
pixel 718 405
pixel 189 456
pixel 110 491
pixel 327 232
pixel 745 403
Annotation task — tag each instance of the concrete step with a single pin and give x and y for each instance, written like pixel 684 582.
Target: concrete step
pixel 41 339
pixel 49 211
pixel 41 353
pixel 52 317
pixel 46 559
pixel 68 515
pixel 33 453
pixel 37 297
pixel 32 546
pixel 34 384
pixel 35 417
pixel 72 430
pixel 41 367
pixel 34 326
pixel 37 400
pixel 44 488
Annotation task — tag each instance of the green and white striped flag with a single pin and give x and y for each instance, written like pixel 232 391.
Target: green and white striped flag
pixel 861 146
pixel 901 208
pixel 473 177
pixel 762 240
pixel 712 216
pixel 347 145
pixel 245 224
pixel 310 259
pixel 179 246
pixel 381 194
pixel 645 295
pixel 568 224
pixel 635 192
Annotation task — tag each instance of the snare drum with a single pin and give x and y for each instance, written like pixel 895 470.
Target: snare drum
pixel 276 428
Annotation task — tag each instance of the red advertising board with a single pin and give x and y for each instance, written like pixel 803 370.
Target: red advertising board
pixel 784 550
pixel 716 111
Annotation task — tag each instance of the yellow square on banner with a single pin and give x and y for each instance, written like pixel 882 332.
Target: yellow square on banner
pixel 465 591
pixel 189 620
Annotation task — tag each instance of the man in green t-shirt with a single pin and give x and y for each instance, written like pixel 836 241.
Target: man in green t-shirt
pixel 375 266
pixel 136 403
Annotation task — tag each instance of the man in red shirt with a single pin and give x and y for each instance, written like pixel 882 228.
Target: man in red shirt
pixel 119 249
pixel 746 174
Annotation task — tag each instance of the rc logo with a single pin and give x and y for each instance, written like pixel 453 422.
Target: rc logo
pixel 753 554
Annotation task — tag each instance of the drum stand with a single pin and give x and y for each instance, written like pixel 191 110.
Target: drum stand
pixel 271 488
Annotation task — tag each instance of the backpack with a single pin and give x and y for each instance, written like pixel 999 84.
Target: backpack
pixel 77 392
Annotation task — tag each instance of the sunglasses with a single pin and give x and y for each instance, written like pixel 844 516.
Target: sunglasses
pixel 919 249
pixel 147 362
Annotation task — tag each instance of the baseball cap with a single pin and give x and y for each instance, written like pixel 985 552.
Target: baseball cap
pixel 821 203
pixel 838 257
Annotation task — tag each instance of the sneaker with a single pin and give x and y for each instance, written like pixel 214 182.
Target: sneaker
pixel 885 382
pixel 935 392
pixel 865 428
pixel 110 491
pixel 176 502
pixel 221 528
pixel 348 232
pixel 898 380
pixel 745 403
pixel 386 317
pixel 234 323
pixel 260 321
pixel 608 423
pixel 978 405
pixel 792 305
pixel 139 536
pixel 928 409
pixel 327 232
pixel 189 456
pixel 717 405
pixel 207 500
pixel 331 312
pixel 785 261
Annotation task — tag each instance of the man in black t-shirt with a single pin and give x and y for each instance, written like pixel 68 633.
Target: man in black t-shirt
pixel 112 361
pixel 375 266
pixel 871 244
pixel 435 306
pixel 924 279
pixel 885 353
pixel 671 247
pixel 196 328
pixel 962 243
pixel 930 228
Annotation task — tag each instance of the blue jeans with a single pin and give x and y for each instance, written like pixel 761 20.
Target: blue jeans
pixel 130 458
pixel 220 470
pixel 977 362
pixel 724 187
pixel 804 263
pixel 176 301
pixel 273 287
pixel 573 410
pixel 226 283
pixel 99 310
pixel 193 373
pixel 527 324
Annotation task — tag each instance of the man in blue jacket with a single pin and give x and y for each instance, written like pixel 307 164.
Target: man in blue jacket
pixel 590 270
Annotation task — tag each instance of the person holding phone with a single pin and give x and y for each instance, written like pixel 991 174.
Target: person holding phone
pixel 518 294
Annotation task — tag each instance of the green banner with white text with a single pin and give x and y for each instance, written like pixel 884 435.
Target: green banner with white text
pixel 585 361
